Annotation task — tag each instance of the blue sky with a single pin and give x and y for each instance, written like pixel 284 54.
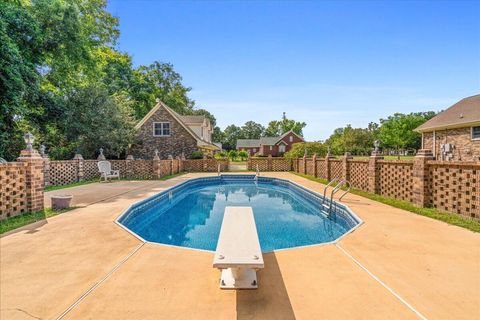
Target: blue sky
pixel 326 63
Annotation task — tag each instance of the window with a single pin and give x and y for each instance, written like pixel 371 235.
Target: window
pixel 281 148
pixel 291 138
pixel 161 129
pixel 476 133
pixel 254 150
pixel 271 148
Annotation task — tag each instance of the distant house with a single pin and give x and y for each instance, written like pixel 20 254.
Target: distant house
pixel 265 146
pixel 454 134
pixel 172 134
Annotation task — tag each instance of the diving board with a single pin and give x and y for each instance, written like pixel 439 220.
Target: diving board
pixel 238 252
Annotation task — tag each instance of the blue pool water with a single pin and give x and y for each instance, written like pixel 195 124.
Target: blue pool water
pixel 191 214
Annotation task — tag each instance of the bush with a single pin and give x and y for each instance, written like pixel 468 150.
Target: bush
pixel 222 155
pixel 233 154
pixel 243 155
pixel 196 155
pixel 298 150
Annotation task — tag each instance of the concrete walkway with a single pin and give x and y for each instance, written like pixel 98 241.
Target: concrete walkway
pixel 81 265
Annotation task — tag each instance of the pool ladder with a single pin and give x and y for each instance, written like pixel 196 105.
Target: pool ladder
pixel 337 188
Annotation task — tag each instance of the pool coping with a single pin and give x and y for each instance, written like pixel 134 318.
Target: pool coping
pixel 333 242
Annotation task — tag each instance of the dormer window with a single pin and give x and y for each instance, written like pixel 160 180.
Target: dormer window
pixel 161 129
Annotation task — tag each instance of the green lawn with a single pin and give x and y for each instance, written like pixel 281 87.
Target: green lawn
pixel 27 218
pixel 451 218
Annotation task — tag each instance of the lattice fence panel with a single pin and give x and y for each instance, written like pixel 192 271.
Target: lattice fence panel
pixel 321 169
pixel 336 168
pixel 295 165
pixel 63 172
pixel 193 165
pixel 359 174
pixel 142 169
pixel 165 167
pixel 280 164
pixel 90 169
pixel 396 180
pixel 12 189
pixel 261 162
pixel 120 165
pixel 310 167
pixel 455 188
pixel 175 166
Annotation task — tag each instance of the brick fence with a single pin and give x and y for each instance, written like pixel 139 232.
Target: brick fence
pixel 22 183
pixel 448 186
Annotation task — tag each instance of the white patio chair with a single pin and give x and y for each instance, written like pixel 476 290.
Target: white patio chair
pixel 106 172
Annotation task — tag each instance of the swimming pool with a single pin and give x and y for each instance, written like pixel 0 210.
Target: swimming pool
pixel 190 214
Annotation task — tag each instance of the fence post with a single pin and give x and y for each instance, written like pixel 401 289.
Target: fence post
pixel 346 166
pixel 34 178
pixel 46 170
pixel 249 162
pixel 374 172
pixel 80 166
pixel 304 159
pixel 157 166
pixel 420 173
pixel 129 166
pixel 269 163
pixel 314 164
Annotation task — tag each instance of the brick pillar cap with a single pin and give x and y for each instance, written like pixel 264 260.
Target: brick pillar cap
pixel 78 156
pixel 130 157
pixel 29 154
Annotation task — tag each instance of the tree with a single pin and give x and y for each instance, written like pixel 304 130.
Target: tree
pixel 231 134
pixel 252 130
pixel 357 141
pixel 20 54
pixel 397 131
pixel 277 128
pixel 298 150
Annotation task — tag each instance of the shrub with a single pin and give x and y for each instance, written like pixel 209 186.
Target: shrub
pixel 196 155
pixel 243 155
pixel 222 155
pixel 233 154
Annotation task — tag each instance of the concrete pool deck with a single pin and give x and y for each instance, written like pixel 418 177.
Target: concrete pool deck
pixel 81 265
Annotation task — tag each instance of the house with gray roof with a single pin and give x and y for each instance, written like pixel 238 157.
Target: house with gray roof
pixel 454 134
pixel 265 146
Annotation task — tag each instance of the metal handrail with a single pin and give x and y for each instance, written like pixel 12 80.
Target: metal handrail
pixel 326 187
pixel 335 190
pixel 218 170
pixel 258 171
pixel 348 190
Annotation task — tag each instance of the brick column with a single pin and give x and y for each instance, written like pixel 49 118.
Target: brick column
pixel 346 166
pixel 157 166
pixel 304 159
pixel 421 190
pixel 46 170
pixel 269 163
pixel 34 179
pixel 129 167
pixel 80 166
pixel 374 172
pixel 314 160
pixel 180 164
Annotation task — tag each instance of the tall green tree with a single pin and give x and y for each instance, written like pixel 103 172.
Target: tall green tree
pixel 397 131
pixel 252 130
pixel 277 128
pixel 20 53
pixel 231 134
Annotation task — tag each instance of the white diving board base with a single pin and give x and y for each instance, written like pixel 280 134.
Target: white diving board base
pixel 238 252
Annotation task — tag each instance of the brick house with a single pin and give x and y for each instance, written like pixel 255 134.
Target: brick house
pixel 454 134
pixel 172 134
pixel 265 146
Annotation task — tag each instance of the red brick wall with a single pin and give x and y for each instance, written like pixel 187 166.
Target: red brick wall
pixel 466 149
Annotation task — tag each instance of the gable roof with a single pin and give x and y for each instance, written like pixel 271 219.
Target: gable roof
pixel 269 141
pixel 463 113
pixel 291 131
pixel 178 117
pixel 248 143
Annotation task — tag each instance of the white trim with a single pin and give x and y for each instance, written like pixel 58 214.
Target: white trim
pixel 161 129
pixel 434 151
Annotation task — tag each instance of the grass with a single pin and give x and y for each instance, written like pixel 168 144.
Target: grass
pixel 70 185
pixel 238 162
pixel 27 218
pixel 450 218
